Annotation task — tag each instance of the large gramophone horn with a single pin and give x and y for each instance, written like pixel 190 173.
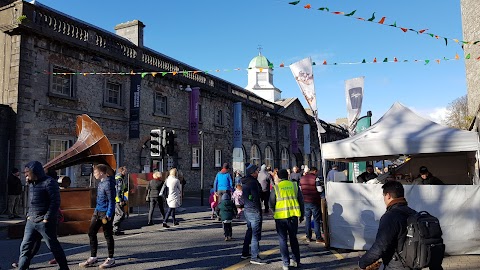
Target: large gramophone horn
pixel 92 146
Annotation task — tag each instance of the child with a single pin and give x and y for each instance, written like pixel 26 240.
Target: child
pixel 238 200
pixel 227 211
pixel 213 201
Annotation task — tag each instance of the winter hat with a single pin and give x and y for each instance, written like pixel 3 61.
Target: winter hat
pixel 423 170
pixel 225 197
pixel 282 174
pixel 251 169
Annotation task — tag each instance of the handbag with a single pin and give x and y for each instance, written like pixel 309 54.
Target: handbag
pixel 163 191
pixel 147 198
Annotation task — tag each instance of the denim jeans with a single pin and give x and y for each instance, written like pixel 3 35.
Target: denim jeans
pixel 313 209
pixel 288 228
pixel 170 211
pixel 254 232
pixel 33 234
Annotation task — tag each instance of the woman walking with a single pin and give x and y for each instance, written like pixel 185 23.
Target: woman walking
pixel 153 196
pixel 174 198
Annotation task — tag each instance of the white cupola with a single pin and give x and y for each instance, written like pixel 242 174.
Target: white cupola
pixel 260 79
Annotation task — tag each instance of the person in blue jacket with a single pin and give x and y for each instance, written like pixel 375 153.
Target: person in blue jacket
pixel 223 183
pixel 102 217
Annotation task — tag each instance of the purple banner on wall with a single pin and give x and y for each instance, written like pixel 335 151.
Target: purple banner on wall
pixel 194 116
pixel 134 120
pixel 237 125
pixel 294 136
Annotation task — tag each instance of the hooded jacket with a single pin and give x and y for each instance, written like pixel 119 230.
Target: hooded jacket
pixel 264 178
pixel 223 181
pixel 44 200
pixel 227 208
pixel 251 194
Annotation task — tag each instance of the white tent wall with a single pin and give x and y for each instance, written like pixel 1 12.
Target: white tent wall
pixel 451 168
pixel 355 211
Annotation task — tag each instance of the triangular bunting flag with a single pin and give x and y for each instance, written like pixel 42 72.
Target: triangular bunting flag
pixel 427 61
pixel 174 73
pixel 351 13
pixel 421 31
pixel 374 60
pixel 325 62
pixel 282 64
pixel 307 6
pixel 395 59
pixel 144 74
pixel 404 29
pixel 363 62
pixel 457 57
pixel 394 24
pixel 323 8
pixel 294 3
pixel 164 73
pixel 446 41
pixel 385 60
pixel 382 20
pixel 438 61
pixel 338 12
pixel 468 56
pixel 372 18
pixel 154 74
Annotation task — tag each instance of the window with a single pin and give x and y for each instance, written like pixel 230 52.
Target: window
pixel 62 84
pixel 160 104
pixel 284 131
pixel 219 118
pixel 285 159
pixel 195 157
pixel 218 158
pixel 56 147
pixel 255 155
pixel 268 129
pixel 113 93
pixel 255 126
pixel 269 156
pixel 199 112
pixel 116 153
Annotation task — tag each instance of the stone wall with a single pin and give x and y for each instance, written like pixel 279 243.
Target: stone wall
pixel 471 32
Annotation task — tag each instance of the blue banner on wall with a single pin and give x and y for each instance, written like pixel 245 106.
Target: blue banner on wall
pixel 237 125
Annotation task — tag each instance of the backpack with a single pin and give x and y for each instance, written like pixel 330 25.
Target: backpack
pixel 423 245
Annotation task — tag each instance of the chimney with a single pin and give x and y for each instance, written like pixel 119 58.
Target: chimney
pixel 132 31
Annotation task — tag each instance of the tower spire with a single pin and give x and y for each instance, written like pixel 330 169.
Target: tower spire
pixel 259 49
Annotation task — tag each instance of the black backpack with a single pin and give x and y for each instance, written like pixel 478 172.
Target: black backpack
pixel 423 245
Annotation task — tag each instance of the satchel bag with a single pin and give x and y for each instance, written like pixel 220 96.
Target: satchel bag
pixel 164 191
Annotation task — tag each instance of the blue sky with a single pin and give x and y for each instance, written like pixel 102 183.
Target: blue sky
pixel 214 34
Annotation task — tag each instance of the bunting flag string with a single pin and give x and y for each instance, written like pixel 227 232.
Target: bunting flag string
pixel 282 65
pixel 394 24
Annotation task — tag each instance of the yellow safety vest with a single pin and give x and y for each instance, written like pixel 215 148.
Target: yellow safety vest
pixel 287 204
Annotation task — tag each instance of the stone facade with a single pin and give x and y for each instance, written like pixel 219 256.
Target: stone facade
pixel 44 42
pixel 471 32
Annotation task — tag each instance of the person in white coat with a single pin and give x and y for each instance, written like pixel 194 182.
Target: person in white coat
pixel 174 198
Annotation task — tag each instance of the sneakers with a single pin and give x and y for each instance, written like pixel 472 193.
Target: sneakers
pixel 246 256
pixel 15 265
pixel 320 241
pixel 165 225
pixel 89 262
pixel 119 233
pixel 285 267
pixel 109 262
pixel 257 261
pixel 294 264
pixel 52 261
pixel 308 240
pixel 175 223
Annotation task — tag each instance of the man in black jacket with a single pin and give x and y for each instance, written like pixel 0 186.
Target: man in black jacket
pixel 14 193
pixel 392 229
pixel 42 216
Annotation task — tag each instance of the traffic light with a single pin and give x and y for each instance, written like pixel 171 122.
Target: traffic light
pixel 170 143
pixel 155 143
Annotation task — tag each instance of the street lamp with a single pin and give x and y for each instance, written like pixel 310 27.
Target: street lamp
pixel 188 89
pixel 201 167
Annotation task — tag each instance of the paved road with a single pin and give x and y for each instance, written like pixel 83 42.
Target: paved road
pixel 197 243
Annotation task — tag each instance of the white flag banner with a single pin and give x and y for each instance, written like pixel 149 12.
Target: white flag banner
pixel 303 74
pixel 354 96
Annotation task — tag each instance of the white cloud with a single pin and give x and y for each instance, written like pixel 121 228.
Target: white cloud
pixel 436 115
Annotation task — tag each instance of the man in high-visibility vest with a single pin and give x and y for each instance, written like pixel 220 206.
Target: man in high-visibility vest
pixel 287 205
pixel 120 202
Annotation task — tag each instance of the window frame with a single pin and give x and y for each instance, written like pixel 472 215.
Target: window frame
pixel 269 156
pixel 219 117
pixel 196 156
pixel 254 159
pixel 268 129
pixel 72 83
pixel 285 159
pixel 67 144
pixel 218 158
pixel 156 109
pixel 254 126
pixel 106 94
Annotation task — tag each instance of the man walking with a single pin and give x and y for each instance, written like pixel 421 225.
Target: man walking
pixel 102 217
pixel 253 215
pixel 311 187
pixel 14 193
pixel 42 216
pixel 264 178
pixel 287 205
pixel 120 187
pixel 392 230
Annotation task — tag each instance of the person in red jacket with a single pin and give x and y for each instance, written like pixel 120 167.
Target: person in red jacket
pixel 312 189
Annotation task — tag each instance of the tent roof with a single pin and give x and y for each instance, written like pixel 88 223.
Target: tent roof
pixel 400 131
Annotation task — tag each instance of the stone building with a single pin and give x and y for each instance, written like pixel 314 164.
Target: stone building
pixel 471 32
pixel 44 55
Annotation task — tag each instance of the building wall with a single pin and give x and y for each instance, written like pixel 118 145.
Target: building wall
pixel 37 46
pixel 471 32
